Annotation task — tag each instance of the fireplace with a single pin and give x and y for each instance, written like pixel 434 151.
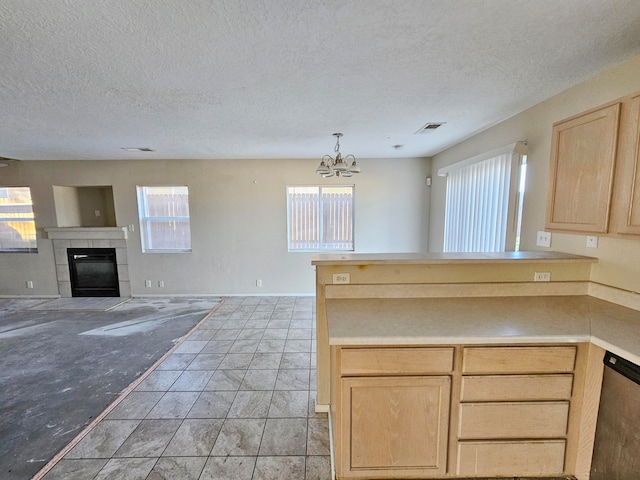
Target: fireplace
pixel 93 272
pixel 94 239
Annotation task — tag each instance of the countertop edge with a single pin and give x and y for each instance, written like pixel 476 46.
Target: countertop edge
pixel 444 259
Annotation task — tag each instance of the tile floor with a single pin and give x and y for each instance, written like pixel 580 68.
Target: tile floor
pixel 233 401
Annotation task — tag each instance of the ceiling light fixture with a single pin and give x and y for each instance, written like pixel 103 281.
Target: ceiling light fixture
pixel 337 166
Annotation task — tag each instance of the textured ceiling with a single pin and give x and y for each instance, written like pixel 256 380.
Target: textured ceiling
pixel 275 78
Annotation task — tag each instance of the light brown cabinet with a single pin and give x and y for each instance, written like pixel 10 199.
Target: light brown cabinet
pixel 626 217
pixel 392 416
pixel 456 411
pixel 583 153
pixel 594 178
pixel 514 410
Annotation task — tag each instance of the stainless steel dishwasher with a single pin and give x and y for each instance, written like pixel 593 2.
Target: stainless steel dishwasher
pixel 616 453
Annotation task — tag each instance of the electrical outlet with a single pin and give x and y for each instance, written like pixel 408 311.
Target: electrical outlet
pixel 258 283
pixel 132 227
pixel 592 242
pixel 341 278
pixel 543 239
pixel 161 283
pixel 29 283
pixel 147 283
pixel 97 213
pixel 542 277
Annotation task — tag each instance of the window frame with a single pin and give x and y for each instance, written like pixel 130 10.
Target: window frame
pixel 321 225
pixel 27 219
pixel 145 219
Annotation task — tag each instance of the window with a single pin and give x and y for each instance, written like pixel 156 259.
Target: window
pixel 164 219
pixel 320 218
pixel 17 222
pixel 483 201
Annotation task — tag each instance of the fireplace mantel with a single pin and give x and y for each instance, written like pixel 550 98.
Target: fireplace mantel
pixel 86 233
pixel 89 237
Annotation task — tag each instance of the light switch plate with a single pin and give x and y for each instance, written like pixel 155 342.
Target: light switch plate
pixel 592 242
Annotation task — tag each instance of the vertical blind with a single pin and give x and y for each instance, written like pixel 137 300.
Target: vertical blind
pixel 480 202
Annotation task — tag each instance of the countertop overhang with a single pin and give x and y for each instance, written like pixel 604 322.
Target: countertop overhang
pixel 446 258
pixel 485 320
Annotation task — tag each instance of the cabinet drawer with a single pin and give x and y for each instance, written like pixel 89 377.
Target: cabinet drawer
pixel 518 359
pixel 398 361
pixel 488 388
pixel 511 459
pixel 513 420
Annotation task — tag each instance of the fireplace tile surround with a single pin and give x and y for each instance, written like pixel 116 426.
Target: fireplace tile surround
pixel 89 237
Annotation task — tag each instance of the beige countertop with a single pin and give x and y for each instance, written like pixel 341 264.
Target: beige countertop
pixel 445 258
pixel 433 321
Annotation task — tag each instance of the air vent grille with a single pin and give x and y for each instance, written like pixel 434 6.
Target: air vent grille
pixel 429 127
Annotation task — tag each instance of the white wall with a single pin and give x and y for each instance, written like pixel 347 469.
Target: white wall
pixel 238 220
pixel 619 259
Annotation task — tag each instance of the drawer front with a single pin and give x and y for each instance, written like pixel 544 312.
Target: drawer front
pixel 396 361
pixel 518 359
pixel 513 420
pixel 514 388
pixel 511 459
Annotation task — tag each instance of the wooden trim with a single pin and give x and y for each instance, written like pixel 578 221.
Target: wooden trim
pixel 584 410
pixel 454 412
pixel 444 290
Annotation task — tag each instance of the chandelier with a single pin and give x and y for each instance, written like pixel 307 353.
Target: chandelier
pixel 337 166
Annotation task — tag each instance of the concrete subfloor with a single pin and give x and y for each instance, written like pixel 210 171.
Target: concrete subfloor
pixel 60 367
pixel 235 399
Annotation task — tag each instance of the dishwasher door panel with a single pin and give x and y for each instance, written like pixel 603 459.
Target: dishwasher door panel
pixel 616 453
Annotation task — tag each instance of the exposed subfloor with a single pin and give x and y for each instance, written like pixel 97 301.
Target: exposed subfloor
pixel 63 362
pixel 234 400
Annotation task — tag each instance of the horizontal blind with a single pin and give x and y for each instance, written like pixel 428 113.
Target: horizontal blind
pixel 477 206
pixel 17 221
pixel 165 218
pixel 320 218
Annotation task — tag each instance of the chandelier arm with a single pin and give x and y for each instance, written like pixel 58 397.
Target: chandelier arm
pixel 329 159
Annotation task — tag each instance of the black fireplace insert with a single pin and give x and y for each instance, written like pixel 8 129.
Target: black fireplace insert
pixel 94 272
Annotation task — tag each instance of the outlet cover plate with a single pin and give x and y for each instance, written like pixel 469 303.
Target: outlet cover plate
pixel 543 239
pixel 341 278
pixel 542 277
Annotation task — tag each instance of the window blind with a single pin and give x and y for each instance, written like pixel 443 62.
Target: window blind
pixel 481 201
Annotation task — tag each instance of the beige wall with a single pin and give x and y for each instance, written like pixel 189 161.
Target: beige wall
pixel 619 259
pixel 238 220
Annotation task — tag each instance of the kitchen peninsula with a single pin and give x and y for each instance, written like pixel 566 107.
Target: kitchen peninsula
pixel 488 372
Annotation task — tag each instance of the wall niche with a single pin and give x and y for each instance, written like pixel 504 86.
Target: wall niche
pixel 84 206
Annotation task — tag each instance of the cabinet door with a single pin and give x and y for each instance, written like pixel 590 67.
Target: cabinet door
pixel 583 152
pixel 393 427
pixel 628 169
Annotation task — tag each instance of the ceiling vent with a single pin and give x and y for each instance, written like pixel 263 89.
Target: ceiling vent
pixel 429 127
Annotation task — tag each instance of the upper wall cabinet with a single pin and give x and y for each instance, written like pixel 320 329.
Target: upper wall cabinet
pixel 626 214
pixel 583 157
